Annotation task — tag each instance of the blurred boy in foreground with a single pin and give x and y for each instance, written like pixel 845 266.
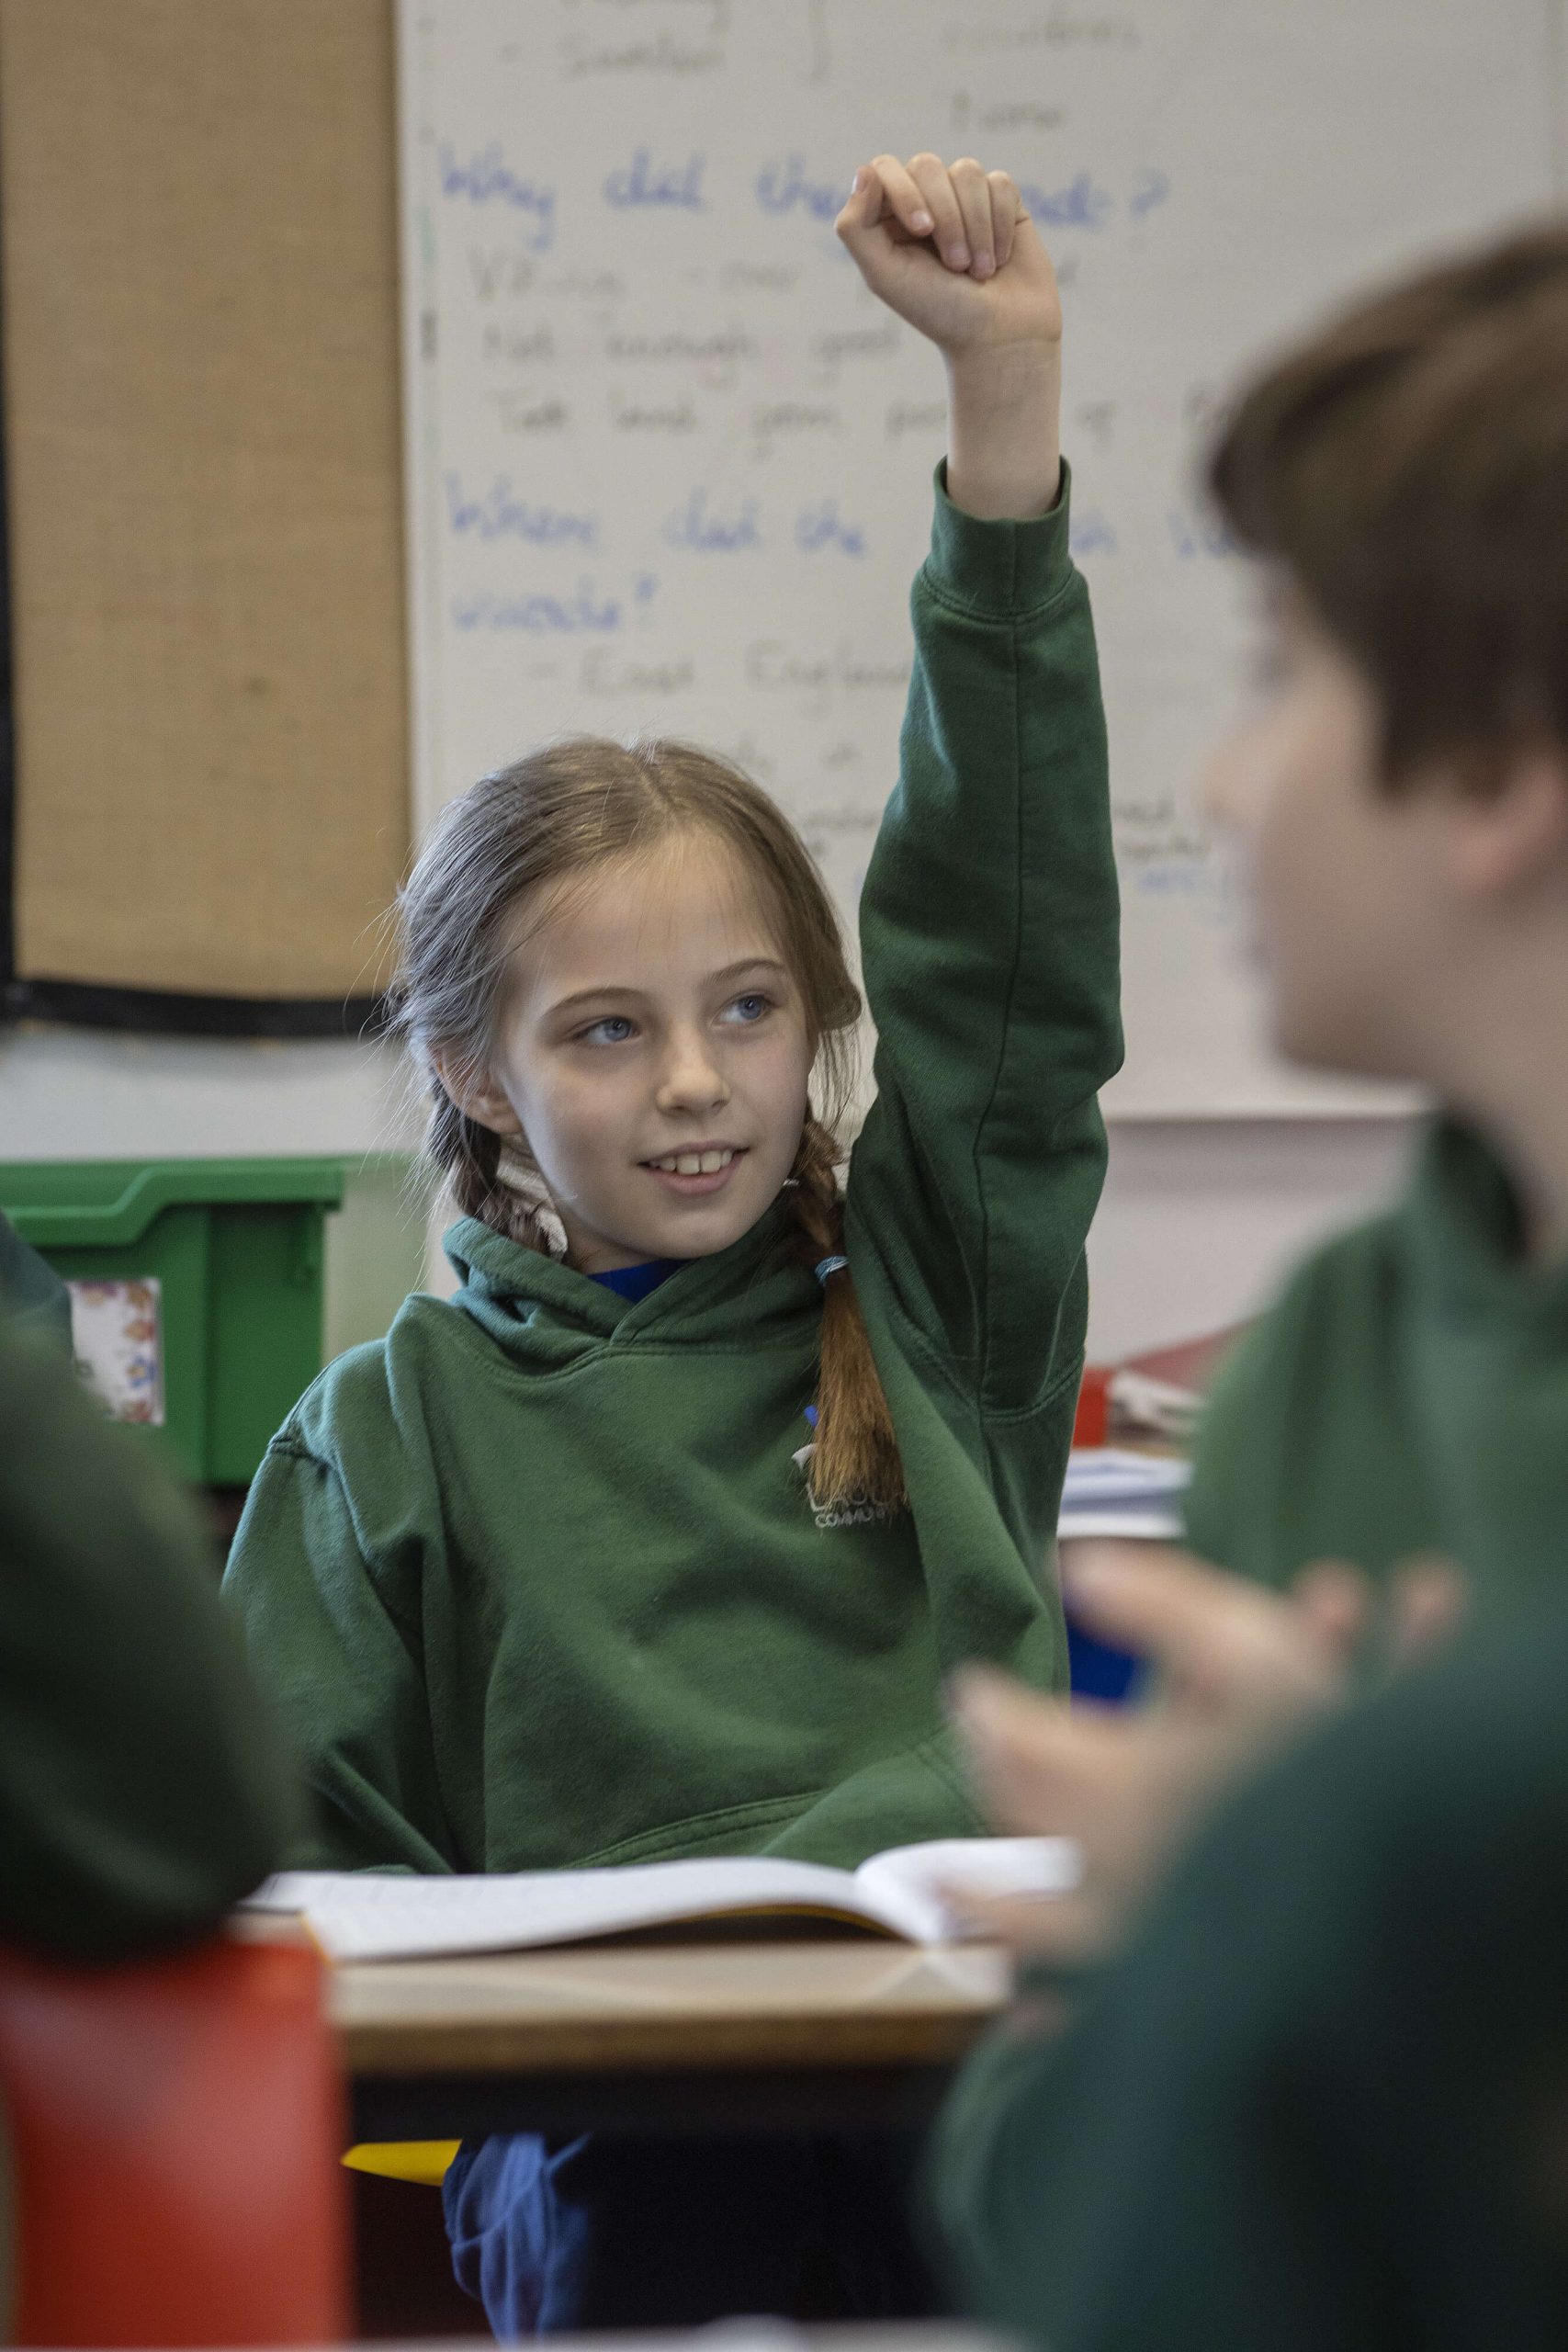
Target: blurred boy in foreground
pixel 1323 2090
pixel 1320 2097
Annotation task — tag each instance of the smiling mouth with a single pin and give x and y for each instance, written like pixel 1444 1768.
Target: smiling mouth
pixel 710 1161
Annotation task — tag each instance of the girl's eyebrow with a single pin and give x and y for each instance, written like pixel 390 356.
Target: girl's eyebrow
pixel 591 996
pixel 714 979
pixel 750 963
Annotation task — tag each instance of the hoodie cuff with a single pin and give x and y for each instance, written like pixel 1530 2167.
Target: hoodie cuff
pixel 998 569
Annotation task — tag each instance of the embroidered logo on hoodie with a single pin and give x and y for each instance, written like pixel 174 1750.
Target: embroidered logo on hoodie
pixel 855 1510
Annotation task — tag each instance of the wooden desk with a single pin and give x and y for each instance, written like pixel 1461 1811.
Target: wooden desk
pixel 800 2035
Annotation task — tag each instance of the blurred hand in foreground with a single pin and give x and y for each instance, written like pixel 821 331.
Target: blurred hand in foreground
pixel 1237 1672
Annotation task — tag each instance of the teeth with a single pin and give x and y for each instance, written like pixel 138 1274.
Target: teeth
pixel 693 1163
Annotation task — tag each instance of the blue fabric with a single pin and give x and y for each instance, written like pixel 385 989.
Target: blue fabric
pixel 1098 1671
pixel 553 2236
pixel 636 1282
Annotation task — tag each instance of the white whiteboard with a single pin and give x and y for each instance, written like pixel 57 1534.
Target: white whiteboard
pixel 667 461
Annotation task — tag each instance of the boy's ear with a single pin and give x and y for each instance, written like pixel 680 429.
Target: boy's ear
pixel 1515 828
pixel 476 1094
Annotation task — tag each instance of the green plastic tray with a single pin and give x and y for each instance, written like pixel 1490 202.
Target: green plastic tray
pixel 236 1248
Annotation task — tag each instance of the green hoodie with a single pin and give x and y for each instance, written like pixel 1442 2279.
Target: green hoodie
pixel 1408 1394
pixel 1318 2103
pixel 143 1788
pixel 143 1784
pixel 538 1579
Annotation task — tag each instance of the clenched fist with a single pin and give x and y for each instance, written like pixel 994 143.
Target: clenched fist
pixel 950 248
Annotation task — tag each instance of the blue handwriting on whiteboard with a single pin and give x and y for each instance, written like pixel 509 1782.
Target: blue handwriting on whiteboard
pixel 642 183
pixel 1192 535
pixel 499 514
pixel 1091 534
pixel 1079 205
pixel 488 178
pixel 586 613
pixel 820 526
pixel 697 527
pixel 1199 883
pixel 784 187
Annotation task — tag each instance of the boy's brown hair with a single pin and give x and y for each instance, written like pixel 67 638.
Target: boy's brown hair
pixel 549 819
pixel 1408 466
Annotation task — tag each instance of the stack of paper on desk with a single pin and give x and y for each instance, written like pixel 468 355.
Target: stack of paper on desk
pixel 370 1915
pixel 1111 1492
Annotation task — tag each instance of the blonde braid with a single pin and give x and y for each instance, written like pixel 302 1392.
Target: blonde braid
pixel 855 1458
pixel 470 1157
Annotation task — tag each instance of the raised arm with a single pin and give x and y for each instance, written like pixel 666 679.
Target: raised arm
pixel 989 916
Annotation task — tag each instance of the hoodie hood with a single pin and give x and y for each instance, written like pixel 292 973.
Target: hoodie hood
pixel 533 1304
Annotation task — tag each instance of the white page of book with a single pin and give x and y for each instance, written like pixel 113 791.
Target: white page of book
pixel 370 1914
pixel 384 1916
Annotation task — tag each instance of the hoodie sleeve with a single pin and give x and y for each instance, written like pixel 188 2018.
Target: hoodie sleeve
pixel 345 1666
pixel 989 929
pixel 144 1786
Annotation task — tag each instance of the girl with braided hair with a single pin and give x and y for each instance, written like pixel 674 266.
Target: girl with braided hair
pixel 660 825
pixel 660 1538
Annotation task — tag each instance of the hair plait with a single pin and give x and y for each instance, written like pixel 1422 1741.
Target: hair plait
pixel 855 1457
pixel 471 1159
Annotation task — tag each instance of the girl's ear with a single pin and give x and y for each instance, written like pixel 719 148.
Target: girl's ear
pixel 476 1094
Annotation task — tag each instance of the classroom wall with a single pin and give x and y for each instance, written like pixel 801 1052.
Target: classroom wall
pixel 1200 1218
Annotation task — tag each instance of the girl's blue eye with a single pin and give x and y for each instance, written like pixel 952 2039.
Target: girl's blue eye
pixel 749 1009
pixel 613 1030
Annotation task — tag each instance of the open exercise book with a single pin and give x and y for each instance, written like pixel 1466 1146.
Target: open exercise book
pixel 377 1915
pixel 1109 1490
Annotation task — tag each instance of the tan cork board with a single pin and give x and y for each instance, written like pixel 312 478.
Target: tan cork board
pixel 198 241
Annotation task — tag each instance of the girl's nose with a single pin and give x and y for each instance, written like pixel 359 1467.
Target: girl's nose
pixel 691 1081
